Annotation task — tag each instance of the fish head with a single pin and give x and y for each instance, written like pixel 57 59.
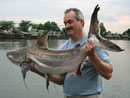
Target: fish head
pixel 15 56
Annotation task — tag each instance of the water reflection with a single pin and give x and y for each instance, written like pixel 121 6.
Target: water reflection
pixel 14 44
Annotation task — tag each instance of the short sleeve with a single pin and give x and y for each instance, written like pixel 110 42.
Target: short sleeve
pixel 103 54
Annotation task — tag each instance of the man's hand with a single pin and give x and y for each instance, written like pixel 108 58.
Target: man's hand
pixel 31 66
pixel 103 68
pixel 33 69
pixel 90 47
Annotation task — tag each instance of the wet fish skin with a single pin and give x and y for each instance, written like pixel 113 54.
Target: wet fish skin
pixel 57 61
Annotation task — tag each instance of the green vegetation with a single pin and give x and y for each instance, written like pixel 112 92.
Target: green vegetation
pixel 26 26
pixel 109 35
pixel 7 25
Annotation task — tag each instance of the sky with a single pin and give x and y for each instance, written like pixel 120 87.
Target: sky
pixel 115 14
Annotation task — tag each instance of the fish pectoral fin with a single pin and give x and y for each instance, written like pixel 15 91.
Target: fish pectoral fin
pixel 24 69
pixel 78 71
pixel 47 76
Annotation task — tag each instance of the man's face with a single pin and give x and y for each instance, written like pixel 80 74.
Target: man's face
pixel 72 25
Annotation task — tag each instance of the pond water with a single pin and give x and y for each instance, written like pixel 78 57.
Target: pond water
pixel 12 86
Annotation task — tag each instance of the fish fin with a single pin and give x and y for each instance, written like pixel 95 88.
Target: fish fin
pixel 94 24
pixel 78 72
pixel 47 76
pixel 94 30
pixel 108 45
pixel 24 69
pixel 42 40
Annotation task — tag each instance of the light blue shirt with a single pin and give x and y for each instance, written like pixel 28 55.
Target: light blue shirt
pixel 90 82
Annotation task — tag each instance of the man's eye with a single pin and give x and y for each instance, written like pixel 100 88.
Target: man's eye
pixel 70 21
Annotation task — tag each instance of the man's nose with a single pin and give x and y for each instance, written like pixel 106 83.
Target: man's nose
pixel 67 25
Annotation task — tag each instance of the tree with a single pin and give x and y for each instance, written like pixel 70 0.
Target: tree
pixel 47 25
pixel 55 27
pixel 6 25
pixel 24 25
pixel 128 32
pixel 51 26
pixel 40 27
pixel 102 30
pixel 34 26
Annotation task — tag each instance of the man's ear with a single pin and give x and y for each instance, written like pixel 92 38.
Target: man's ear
pixel 82 22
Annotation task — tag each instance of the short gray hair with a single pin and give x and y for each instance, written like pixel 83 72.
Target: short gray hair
pixel 78 13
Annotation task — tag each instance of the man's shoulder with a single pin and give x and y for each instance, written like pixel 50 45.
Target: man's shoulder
pixel 64 45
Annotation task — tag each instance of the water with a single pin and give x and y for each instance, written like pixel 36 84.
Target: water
pixel 119 85
pixel 12 86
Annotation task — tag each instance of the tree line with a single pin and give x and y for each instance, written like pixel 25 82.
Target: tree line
pixel 27 25
pixel 104 32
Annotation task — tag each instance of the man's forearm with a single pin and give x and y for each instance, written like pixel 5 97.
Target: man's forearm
pixel 103 68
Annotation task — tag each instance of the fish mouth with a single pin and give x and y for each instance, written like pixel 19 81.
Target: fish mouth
pixel 10 57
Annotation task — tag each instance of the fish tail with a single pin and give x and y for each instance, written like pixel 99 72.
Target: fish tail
pixel 108 45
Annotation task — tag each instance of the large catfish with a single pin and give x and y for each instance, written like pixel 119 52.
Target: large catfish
pixel 58 62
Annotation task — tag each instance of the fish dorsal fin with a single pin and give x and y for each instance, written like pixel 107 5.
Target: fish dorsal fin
pixel 42 40
pixel 94 29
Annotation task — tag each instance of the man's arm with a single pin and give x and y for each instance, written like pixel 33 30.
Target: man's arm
pixel 103 68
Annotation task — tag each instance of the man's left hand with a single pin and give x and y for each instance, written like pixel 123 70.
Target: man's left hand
pixel 90 47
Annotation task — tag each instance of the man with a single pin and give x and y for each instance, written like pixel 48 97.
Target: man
pixel 96 66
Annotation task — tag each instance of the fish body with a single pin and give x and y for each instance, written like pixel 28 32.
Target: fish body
pixel 48 60
pixel 57 61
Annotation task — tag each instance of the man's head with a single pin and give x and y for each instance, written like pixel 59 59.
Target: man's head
pixel 74 21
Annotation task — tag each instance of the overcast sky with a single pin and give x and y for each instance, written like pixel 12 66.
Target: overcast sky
pixel 115 14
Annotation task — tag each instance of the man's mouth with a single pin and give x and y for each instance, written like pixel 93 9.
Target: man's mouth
pixel 69 28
